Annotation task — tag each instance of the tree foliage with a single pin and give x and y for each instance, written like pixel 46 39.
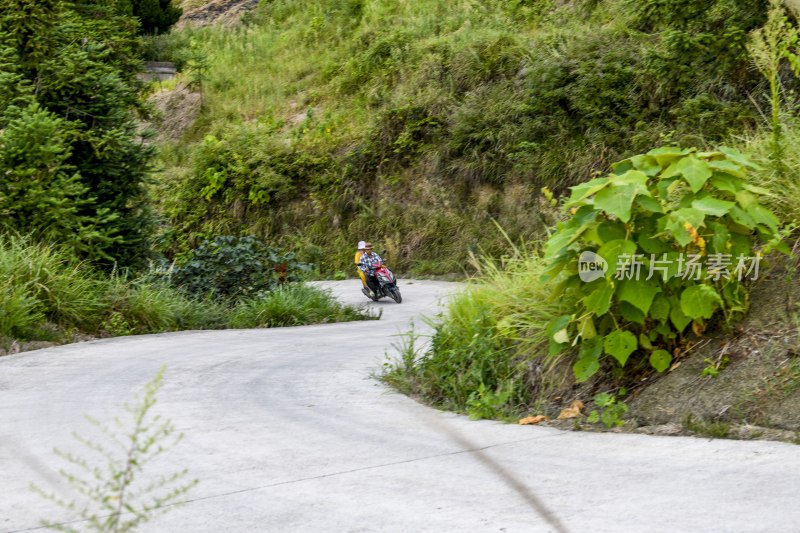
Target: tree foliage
pixel 70 144
pixel 236 267
pixel 155 16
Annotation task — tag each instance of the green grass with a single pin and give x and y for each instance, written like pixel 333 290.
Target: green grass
pixel 294 305
pixel 417 124
pixel 488 355
pixel 45 294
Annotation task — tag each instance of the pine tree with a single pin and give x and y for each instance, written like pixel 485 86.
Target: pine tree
pixel 86 80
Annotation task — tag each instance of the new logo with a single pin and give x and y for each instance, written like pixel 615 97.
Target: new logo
pixel 591 267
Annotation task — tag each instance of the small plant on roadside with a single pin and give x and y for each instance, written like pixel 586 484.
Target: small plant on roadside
pixel 488 403
pixel 652 224
pixel 610 410
pixel 117 326
pixel 713 368
pixel 118 493
pixel 714 429
pixel 778 40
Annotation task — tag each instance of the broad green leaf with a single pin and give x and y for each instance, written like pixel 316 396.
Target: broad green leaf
pixel 568 232
pixel 724 182
pixel 666 187
pixel 591 348
pixel 660 360
pixel 758 190
pixel 712 206
pixel 740 245
pixel 677 220
pixel 700 301
pixel 720 238
pixel 762 215
pixel 620 345
pixel 632 177
pixel 664 266
pixel 557 265
pixel 631 313
pixel 599 301
pixel 640 293
pixel 649 239
pixel 667 154
pixel 586 330
pixel 695 171
pixel 617 200
pixel 727 167
pixel 621 167
pixel 746 199
pixel 647 164
pixel 584 190
pixel 588 362
pixel 649 204
pixel 738 157
pixel 554 328
pixel 676 316
pixel 560 240
pixel 561 336
pixel 610 230
pixel 741 217
pixel 585 368
pixel 659 310
pixel 611 252
pixel 644 342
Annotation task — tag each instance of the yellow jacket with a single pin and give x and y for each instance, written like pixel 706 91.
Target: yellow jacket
pixel 361 275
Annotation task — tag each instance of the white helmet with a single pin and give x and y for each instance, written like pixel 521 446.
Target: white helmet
pixel 362 245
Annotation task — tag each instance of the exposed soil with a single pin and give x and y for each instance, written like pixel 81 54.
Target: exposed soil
pixel 177 109
pixel 226 12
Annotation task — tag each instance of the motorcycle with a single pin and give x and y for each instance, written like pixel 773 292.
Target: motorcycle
pixel 386 284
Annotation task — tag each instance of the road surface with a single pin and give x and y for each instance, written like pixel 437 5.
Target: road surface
pixel 286 430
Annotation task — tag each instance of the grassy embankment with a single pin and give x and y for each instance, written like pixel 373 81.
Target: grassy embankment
pixel 416 124
pixel 47 296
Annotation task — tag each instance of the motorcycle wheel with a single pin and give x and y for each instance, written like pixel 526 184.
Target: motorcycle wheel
pixel 395 294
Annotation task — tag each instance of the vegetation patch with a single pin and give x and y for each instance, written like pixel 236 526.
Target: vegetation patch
pixel 49 296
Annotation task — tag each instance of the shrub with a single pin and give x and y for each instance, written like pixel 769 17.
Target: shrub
pixel 653 220
pixel 68 292
pixel 488 354
pixel 235 267
pixel 19 311
pixel 292 305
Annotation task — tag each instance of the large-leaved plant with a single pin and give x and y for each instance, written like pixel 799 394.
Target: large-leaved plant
pixel 665 242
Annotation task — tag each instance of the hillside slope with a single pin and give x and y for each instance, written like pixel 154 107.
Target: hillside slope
pixel 419 125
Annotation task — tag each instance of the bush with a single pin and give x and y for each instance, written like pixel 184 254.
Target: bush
pixel 656 215
pixel 67 292
pixel 292 305
pixel 234 267
pixel 45 293
pixel 488 355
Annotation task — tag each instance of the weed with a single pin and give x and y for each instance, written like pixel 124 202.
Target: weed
pixel 711 429
pixel 487 356
pixel 118 492
pixel 487 403
pixel 714 367
pixel 293 305
pixel 610 410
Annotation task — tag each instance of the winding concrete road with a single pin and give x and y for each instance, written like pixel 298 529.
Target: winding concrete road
pixel 287 431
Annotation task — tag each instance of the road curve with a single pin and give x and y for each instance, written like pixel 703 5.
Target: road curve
pixel 287 431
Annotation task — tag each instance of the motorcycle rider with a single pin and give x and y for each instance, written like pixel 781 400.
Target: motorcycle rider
pixel 368 262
